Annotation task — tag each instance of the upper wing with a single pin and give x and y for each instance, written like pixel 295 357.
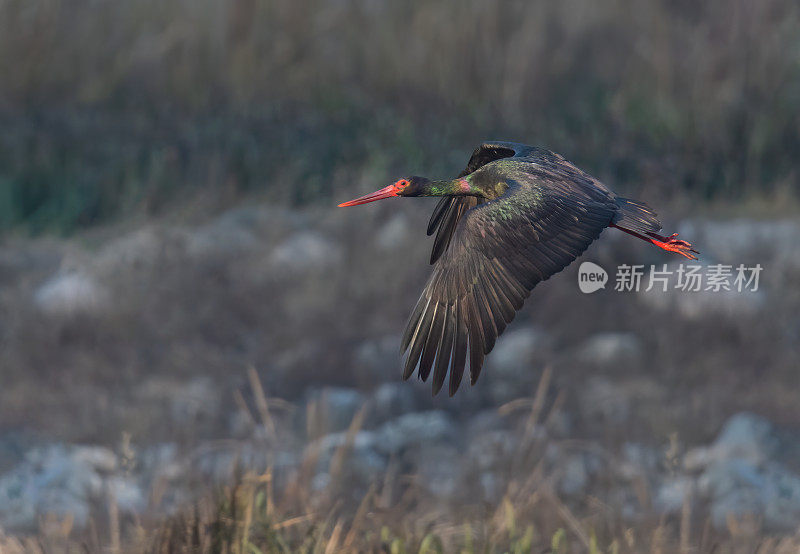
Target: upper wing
pixel 449 210
pixel 499 252
pixel 491 151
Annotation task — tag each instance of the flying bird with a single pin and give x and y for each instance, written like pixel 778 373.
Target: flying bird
pixel 516 215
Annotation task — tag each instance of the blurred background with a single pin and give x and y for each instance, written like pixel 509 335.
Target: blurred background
pixel 199 352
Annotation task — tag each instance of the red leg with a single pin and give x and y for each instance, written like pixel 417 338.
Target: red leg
pixel 670 243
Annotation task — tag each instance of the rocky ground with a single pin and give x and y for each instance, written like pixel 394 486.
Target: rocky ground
pixel 141 365
pixel 746 473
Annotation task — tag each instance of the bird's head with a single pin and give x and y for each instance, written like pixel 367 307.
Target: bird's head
pixel 410 186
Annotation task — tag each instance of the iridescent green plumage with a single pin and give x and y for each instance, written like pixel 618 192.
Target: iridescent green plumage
pixel 515 216
pixel 536 213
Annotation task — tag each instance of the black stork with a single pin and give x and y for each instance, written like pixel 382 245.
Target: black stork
pixel 515 216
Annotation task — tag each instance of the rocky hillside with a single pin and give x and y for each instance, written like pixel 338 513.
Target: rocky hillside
pixel 143 365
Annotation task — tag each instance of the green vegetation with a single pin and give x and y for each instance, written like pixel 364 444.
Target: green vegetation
pixel 251 515
pixel 109 108
pixel 117 110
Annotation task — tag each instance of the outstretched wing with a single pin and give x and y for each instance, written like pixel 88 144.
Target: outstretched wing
pixel 448 211
pixel 499 252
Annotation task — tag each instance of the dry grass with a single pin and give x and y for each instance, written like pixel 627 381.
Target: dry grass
pixel 249 516
pixel 181 315
pixel 110 108
pixel 117 108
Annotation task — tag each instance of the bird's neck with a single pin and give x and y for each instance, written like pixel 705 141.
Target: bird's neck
pixel 452 187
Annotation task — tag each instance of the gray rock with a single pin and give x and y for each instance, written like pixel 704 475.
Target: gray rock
pixel 230 234
pixel 698 458
pixel 61 480
pixel 517 349
pixel 160 461
pixel 702 304
pixel 769 492
pixel 127 494
pixel 21 258
pixel 611 348
pixel 438 468
pixel 560 424
pixel 13 446
pixel 485 421
pixel 575 470
pixel 513 363
pixel 71 294
pixel 574 476
pixel 603 399
pixel 744 436
pixel 335 407
pixel 492 486
pixel 97 457
pixel 306 251
pixel 673 493
pixel 363 461
pixel 393 233
pixel 218 461
pixel 746 240
pixel 378 358
pixel 298 355
pixel 188 401
pixel 416 429
pixel 140 249
pixel 741 477
pixel 366 440
pixel 391 400
pixel 241 425
pixel 212 242
pixel 488 449
pixel 639 461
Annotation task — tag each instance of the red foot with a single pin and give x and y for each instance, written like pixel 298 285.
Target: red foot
pixel 671 244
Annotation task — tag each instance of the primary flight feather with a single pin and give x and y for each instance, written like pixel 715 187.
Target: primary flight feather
pixel 516 215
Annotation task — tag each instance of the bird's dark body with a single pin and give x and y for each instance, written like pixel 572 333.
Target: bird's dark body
pixel 515 216
pixel 535 169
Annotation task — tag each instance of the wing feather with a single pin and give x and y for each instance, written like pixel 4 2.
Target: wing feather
pixel 450 209
pixel 438 212
pixel 498 251
pixel 445 219
pixel 431 342
pixel 476 342
pixel 445 349
pixel 418 339
pixel 459 348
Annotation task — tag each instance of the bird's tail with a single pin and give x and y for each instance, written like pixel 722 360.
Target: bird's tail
pixel 636 216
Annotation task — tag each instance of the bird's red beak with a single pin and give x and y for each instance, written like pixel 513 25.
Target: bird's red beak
pixel 385 192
